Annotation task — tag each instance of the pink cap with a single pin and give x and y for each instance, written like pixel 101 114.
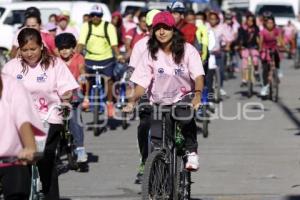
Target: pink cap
pixel 165 18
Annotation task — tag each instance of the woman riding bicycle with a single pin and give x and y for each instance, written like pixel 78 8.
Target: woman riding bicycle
pixel 50 83
pixel 170 69
pixel 19 123
pixel 270 39
pixel 248 41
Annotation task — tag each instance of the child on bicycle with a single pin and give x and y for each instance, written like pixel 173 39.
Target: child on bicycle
pixel 270 40
pixel 66 42
pixel 18 125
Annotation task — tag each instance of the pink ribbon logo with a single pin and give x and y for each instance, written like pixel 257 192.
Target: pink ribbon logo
pixel 43 104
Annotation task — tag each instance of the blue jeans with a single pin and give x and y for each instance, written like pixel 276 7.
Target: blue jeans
pixel 75 127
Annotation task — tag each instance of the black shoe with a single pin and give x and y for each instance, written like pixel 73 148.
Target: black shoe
pixel 243 84
pixel 139 178
pixel 257 77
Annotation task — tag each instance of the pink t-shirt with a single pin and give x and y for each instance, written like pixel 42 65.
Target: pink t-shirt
pixel 167 80
pixel 16 108
pixel 137 52
pixel 270 38
pixel 45 87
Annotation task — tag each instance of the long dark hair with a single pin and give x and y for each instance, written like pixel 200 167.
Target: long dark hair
pixel 28 34
pixel 177 46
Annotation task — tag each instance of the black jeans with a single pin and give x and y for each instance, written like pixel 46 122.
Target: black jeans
pixel 266 67
pixel 47 165
pixel 16 182
pixel 144 127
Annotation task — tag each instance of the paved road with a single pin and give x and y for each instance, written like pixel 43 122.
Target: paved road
pixel 242 158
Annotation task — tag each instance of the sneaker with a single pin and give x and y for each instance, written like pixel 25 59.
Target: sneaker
pixel 110 109
pixel 192 163
pixel 223 92
pixel 280 74
pixel 81 155
pixel 139 176
pixel 264 90
pixel 243 84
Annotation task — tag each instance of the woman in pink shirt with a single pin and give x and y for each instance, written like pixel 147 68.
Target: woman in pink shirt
pixel 50 83
pixel 18 123
pixel 170 69
pixel 271 39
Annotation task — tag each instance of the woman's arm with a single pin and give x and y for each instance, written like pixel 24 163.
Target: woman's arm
pixel 199 85
pixel 28 141
pixel 139 91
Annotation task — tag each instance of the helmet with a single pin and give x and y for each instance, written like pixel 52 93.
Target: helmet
pixel 150 15
pixel 65 40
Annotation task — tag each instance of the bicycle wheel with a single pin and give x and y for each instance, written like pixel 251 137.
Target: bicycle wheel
pixel 183 181
pixel 36 187
pixel 250 81
pixel 205 121
pixel 217 84
pixel 275 86
pixel 96 107
pixel 124 121
pixel 157 182
pixel 73 165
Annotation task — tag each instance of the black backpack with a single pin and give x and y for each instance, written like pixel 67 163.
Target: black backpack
pixel 105 32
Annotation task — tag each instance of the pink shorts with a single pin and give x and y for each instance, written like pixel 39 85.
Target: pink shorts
pixel 246 53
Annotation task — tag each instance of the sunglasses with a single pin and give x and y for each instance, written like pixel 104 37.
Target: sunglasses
pixel 96 15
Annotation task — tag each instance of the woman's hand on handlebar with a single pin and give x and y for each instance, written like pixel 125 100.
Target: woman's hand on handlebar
pixel 129 107
pixel 27 155
pixel 196 101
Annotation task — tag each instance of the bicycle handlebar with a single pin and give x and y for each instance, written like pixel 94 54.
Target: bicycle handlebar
pixel 14 159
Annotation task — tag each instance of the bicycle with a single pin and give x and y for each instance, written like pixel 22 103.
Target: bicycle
pixel 273 78
pixel 165 176
pixel 97 98
pixel 66 143
pixel 122 95
pixel 35 188
pixel 203 112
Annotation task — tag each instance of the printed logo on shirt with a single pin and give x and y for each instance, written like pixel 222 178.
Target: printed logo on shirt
pixel 41 78
pixel 179 70
pixel 19 76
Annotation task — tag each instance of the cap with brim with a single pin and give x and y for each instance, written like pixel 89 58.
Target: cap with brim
pixel 96 9
pixel 177 6
pixel 165 18
pixel 61 18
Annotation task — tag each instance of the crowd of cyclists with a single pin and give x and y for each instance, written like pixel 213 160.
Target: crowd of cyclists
pixel 170 53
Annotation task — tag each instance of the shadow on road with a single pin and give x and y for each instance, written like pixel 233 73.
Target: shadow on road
pixel 293 197
pixel 291 115
pixel 92 158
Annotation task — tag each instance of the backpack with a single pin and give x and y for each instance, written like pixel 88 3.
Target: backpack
pixel 105 32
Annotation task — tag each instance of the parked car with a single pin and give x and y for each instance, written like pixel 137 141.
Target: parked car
pixel 12 15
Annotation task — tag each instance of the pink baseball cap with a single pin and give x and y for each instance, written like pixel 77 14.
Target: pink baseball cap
pixel 165 18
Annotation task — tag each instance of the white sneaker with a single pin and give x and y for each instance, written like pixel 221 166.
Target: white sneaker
pixel 81 154
pixel 280 74
pixel 223 92
pixel 264 90
pixel 192 163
